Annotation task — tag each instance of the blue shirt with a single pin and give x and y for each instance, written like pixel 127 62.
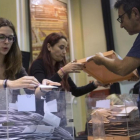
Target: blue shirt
pixel 135 52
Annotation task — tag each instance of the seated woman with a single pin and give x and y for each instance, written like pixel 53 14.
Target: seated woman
pixel 51 64
pixel 12 74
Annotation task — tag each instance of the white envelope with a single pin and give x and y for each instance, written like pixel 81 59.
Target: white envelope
pixel 47 86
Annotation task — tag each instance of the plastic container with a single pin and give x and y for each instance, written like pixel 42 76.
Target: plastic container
pixel 98 126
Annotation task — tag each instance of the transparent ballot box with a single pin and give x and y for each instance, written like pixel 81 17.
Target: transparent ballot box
pixel 23 116
pixel 113 117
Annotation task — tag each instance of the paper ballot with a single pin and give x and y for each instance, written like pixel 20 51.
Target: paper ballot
pixel 51 119
pixel 26 102
pixel 50 106
pixel 47 86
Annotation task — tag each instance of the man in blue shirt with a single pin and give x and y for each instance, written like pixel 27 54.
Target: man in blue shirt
pixel 129 19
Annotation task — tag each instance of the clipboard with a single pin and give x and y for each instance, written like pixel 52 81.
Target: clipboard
pixel 101 73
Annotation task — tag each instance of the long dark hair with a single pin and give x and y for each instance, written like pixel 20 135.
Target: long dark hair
pixel 13 59
pixel 53 39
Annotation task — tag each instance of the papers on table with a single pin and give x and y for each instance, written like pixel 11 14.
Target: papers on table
pixel 117 110
pixel 122 110
pixel 38 129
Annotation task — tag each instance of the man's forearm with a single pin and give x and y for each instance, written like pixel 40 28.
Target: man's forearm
pixel 113 65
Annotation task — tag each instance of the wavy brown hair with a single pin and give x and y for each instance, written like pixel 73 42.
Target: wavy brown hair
pixel 52 39
pixel 13 59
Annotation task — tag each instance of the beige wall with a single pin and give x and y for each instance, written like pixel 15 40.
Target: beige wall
pixel 88 34
pixel 78 107
pixel 93 28
pixel 8 10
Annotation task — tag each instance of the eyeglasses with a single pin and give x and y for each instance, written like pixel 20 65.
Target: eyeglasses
pixel 10 38
pixel 119 19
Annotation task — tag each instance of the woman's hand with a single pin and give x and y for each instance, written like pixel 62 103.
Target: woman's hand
pixel 97 83
pixel 97 58
pixel 29 82
pixel 49 82
pixel 73 67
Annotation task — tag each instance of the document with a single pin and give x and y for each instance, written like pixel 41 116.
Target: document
pixel 26 102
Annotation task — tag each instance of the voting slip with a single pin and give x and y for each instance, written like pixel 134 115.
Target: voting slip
pixel 47 86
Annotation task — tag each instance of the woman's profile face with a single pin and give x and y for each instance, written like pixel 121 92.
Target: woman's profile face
pixel 6 39
pixel 58 51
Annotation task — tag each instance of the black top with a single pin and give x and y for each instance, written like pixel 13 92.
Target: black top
pixel 38 71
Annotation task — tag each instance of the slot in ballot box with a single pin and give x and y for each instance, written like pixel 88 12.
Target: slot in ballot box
pixel 119 117
pixel 101 73
pixel 23 116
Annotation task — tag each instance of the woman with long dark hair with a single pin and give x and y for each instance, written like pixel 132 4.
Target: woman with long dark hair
pixel 51 64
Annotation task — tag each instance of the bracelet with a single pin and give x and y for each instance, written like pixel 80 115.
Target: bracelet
pixel 62 71
pixel 5 83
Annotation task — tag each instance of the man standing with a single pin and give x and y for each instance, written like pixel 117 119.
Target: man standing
pixel 129 19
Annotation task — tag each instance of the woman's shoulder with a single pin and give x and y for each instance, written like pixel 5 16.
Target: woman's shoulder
pixel 36 65
pixel 37 61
